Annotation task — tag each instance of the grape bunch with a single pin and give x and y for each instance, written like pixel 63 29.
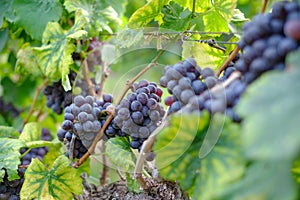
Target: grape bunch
pixel 267 39
pixel 10 190
pixel 57 97
pixel 191 86
pixel 39 152
pixel 139 114
pixel 83 120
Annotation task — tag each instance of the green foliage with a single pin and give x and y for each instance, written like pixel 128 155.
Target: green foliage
pixel 120 155
pixel 150 11
pixel 178 147
pixel 9 157
pixel 265 180
pixel 9 132
pixel 33 16
pixel 276 137
pixel 58 182
pixel 31 132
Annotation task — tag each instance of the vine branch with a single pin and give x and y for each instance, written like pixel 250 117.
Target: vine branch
pixel 264 6
pixel 194 8
pixel 87 78
pixel 228 60
pixel 105 171
pixel 37 91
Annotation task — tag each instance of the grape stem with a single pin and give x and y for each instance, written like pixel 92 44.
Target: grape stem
pixel 110 117
pixel 72 144
pixel 194 9
pixel 228 60
pixel 37 91
pixel 87 78
pixel 146 148
pixel 264 6
pixel 105 171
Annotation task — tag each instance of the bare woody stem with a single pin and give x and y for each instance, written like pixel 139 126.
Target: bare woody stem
pixel 264 6
pixel 37 91
pixel 194 8
pixel 228 60
pixel 87 78
pixel 105 171
pixel 103 78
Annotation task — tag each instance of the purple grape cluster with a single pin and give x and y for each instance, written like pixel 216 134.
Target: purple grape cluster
pixel 57 97
pixel 191 86
pixel 10 190
pixel 83 120
pixel 267 39
pixel 139 114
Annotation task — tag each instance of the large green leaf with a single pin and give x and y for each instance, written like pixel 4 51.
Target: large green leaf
pixel 5 6
pixel 98 14
pixel 271 109
pixel 118 5
pixel 3 38
pixel 265 180
pixel 218 17
pixel 6 131
pixel 9 157
pixel 59 182
pixel 31 132
pixel 151 11
pixel 204 54
pixel 34 15
pixel 178 149
pixel 54 57
pixel 120 155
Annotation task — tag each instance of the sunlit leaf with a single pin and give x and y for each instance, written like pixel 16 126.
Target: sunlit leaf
pixel 204 54
pixel 9 132
pixel 178 147
pixel 59 182
pixel 200 5
pixel 34 15
pixel 9 157
pixel 31 132
pixel 151 11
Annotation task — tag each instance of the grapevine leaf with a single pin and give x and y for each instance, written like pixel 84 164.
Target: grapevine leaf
pixel 53 152
pixel 34 15
pixel 5 6
pixel 9 157
pixel 177 150
pixel 238 16
pixel 10 132
pixel 218 17
pixel 59 182
pixel 3 38
pixel 31 132
pixel 27 63
pixel 204 54
pixel 276 137
pixel 200 5
pixel 151 11
pixel 56 57
pixel 118 5
pixel 97 14
pixel 119 153
pixel 176 17
pixel 264 180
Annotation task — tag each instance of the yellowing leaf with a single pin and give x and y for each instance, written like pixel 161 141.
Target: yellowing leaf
pixel 59 182
pixel 31 132
pixel 147 13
